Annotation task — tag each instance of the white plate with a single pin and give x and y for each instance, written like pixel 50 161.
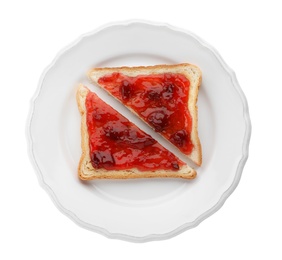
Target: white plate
pixel 145 209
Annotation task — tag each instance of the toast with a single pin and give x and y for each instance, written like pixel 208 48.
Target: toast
pixel 110 79
pixel 92 168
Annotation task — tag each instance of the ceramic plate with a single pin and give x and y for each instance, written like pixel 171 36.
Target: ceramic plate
pixel 141 209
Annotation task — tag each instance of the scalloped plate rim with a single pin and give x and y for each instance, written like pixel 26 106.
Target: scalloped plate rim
pixel 181 228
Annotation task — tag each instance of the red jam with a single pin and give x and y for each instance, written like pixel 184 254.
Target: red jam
pixel 117 144
pixel 160 99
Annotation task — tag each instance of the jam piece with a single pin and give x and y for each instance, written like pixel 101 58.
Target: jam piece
pixel 159 120
pixel 160 100
pixel 180 138
pixel 112 133
pixel 168 91
pixel 102 159
pixel 117 144
pixel 126 90
pixel 154 95
pixel 175 165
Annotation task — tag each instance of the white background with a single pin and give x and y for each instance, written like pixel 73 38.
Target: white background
pixel 247 34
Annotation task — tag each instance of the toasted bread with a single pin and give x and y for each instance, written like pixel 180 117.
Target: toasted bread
pixel 191 72
pixel 86 170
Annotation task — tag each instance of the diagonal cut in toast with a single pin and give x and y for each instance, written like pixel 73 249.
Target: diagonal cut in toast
pixel 115 148
pixel 163 96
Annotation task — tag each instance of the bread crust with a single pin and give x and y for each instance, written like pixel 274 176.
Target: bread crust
pixel 190 71
pixel 86 170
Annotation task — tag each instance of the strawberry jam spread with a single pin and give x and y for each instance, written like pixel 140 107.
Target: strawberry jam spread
pixel 117 144
pixel 160 100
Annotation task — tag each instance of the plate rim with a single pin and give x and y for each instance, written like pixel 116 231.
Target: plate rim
pixel 186 226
